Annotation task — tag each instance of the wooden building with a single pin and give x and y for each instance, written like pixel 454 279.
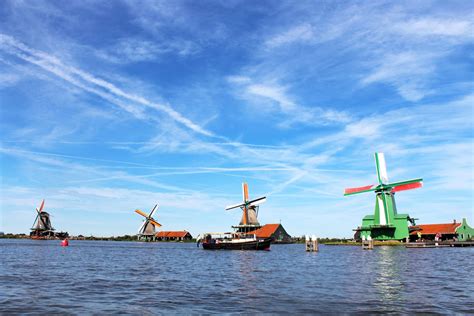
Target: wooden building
pixel 276 231
pixel 173 236
pixel 451 231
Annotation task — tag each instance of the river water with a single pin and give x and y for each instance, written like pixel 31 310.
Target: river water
pixel 98 277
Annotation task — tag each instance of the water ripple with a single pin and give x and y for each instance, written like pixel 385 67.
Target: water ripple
pixel 93 277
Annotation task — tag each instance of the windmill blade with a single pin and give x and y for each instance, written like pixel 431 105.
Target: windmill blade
pixel 394 184
pixel 41 206
pixel 367 188
pixel 155 223
pixel 234 206
pixel 153 210
pixel 258 201
pixel 407 185
pixel 245 191
pixel 382 204
pixel 142 226
pixel 381 168
pixel 141 213
pixel 40 218
pixel 37 215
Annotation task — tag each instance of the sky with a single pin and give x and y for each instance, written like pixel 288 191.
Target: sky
pixel 111 106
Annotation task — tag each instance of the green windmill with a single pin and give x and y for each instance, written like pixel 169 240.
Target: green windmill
pixel 386 223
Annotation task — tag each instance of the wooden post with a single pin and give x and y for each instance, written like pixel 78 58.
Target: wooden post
pixel 367 244
pixel 307 243
pixel 311 243
pixel 315 244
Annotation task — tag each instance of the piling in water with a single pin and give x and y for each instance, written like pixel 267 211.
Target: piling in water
pixel 311 243
pixel 367 244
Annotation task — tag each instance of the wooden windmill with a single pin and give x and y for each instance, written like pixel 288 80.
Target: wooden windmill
pixel 249 208
pixel 147 230
pixel 386 223
pixel 42 227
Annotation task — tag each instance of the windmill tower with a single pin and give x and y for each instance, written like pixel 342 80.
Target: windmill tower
pixel 147 230
pixel 386 223
pixel 42 227
pixel 249 208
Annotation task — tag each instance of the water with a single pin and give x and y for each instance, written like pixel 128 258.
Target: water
pixel 94 277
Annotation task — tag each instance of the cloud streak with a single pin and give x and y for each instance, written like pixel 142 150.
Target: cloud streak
pixel 92 84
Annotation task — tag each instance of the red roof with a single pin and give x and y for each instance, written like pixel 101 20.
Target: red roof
pixel 433 229
pixel 265 231
pixel 172 234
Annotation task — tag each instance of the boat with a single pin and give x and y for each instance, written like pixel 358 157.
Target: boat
pixel 242 238
pixel 235 241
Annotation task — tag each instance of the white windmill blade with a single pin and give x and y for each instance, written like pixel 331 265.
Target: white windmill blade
pixel 153 210
pixel 258 201
pixel 234 206
pixel 142 226
pixel 381 205
pixel 381 168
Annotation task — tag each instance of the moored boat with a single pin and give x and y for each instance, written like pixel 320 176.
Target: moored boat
pixel 235 242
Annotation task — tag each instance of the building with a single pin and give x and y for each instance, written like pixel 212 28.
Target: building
pixel 459 231
pixel 276 231
pixel 173 236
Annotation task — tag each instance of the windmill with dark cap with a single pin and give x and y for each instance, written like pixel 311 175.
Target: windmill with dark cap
pixel 42 228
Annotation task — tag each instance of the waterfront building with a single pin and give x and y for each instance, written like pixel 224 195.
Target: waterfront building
pixel 173 236
pixel 275 231
pixel 451 231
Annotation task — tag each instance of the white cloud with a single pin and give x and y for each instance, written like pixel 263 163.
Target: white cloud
pixel 238 79
pixel 273 92
pixel 300 33
pixel 407 72
pixel 138 50
pixel 431 26
pixel 284 104
pixel 8 79
pixel 92 84
pixel 367 128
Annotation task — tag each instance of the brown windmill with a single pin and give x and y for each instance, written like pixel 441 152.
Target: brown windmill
pixel 147 230
pixel 42 228
pixel 249 208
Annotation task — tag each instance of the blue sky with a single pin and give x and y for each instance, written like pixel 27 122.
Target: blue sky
pixel 109 106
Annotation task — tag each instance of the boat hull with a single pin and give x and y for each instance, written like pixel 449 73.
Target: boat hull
pixel 260 244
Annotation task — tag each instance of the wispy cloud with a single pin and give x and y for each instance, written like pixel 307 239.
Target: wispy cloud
pixel 8 79
pixel 300 33
pixel 432 26
pixel 92 84
pixel 137 50
pixel 407 72
pixel 280 99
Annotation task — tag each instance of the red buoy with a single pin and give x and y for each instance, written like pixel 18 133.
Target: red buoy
pixel 64 243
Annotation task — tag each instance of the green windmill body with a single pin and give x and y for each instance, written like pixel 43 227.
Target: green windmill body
pixel 386 223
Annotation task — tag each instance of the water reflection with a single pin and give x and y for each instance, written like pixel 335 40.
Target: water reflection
pixel 388 281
